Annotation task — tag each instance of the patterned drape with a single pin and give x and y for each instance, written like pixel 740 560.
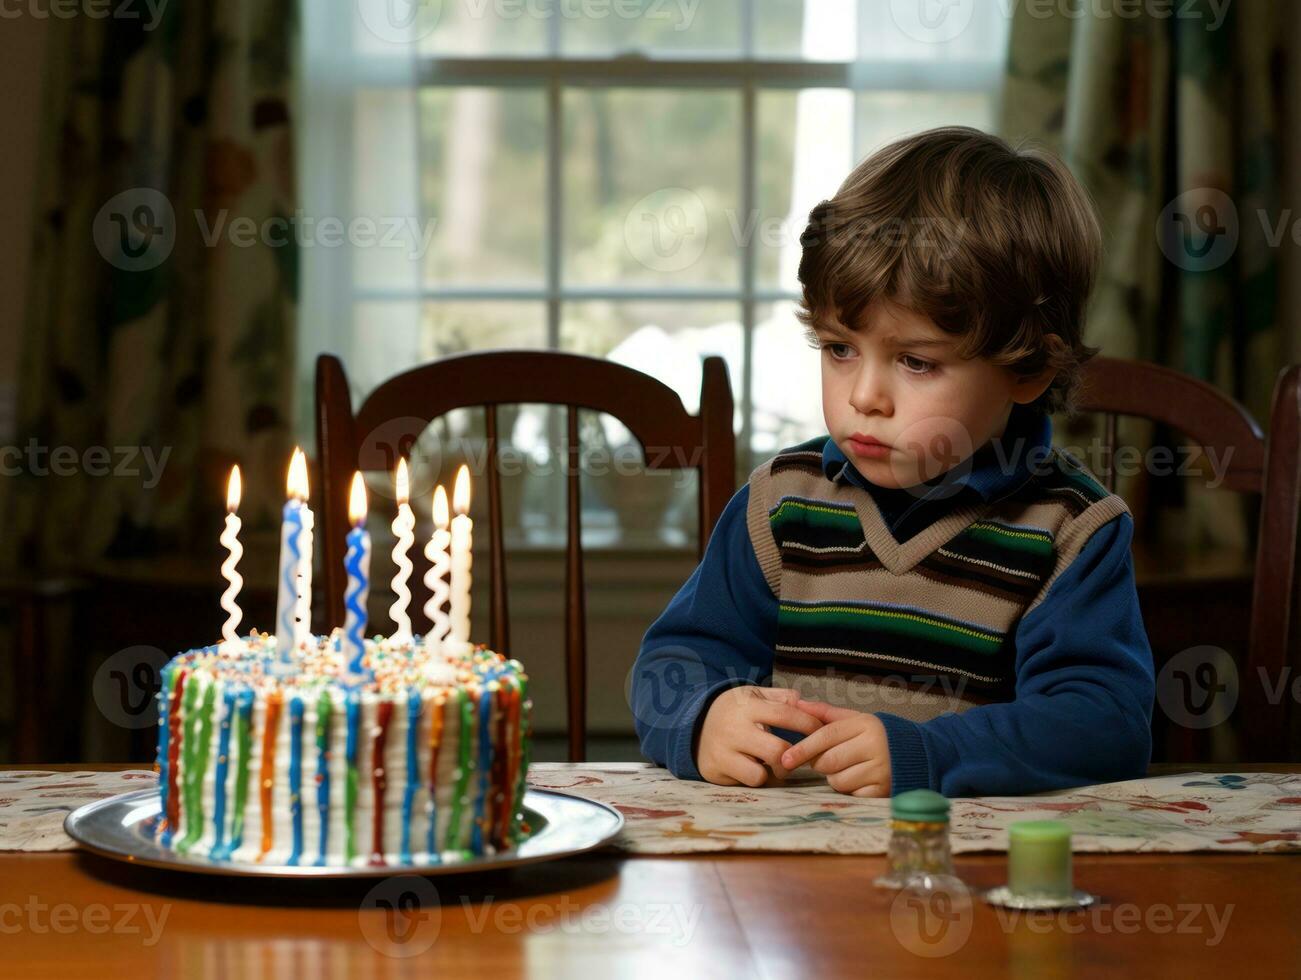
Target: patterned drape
pixel 159 344
pixel 1172 123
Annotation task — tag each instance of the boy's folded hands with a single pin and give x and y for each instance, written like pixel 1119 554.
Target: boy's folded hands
pixel 848 747
pixel 732 737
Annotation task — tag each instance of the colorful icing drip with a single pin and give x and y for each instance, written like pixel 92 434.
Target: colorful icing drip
pixel 198 739
pixel 224 721
pixel 481 805
pixel 435 742
pixel 353 711
pixel 463 709
pixel 324 707
pixel 521 828
pixel 379 780
pixel 296 778
pixel 503 766
pixel 274 701
pixel 244 742
pixel 413 771
pixel 172 814
pixel 164 737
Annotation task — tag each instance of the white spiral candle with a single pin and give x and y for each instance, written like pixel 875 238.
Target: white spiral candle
pixel 436 576
pixel 234 552
pixel 462 543
pixel 404 527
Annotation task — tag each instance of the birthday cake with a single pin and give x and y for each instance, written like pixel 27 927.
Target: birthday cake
pixel 423 762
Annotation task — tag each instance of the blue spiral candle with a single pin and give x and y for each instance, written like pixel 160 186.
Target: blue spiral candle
pixel 357 564
pixel 291 560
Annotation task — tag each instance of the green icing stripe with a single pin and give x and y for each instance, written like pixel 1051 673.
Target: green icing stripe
pixel 897 621
pixel 1032 542
pixel 453 839
pixel 192 779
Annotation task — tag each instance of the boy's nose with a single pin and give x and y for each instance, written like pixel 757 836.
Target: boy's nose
pixel 870 393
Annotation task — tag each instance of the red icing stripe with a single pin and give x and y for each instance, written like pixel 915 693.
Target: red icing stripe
pixel 379 780
pixel 173 814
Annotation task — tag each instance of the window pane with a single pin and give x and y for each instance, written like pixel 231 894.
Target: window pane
pixel 456 327
pixel 938 32
pixel 472 29
pixel 483 153
pixel 651 185
pixel 811 30
pixel 787 388
pixel 886 116
pixel 668 341
pixel 802 156
pixel 597 27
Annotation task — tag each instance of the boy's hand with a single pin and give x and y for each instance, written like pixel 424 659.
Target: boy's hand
pixel 850 749
pixel 733 741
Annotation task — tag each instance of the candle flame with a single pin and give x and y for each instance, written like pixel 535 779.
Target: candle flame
pixel 234 490
pixel 441 519
pixel 357 500
pixel 403 482
pixel 297 482
pixel 461 490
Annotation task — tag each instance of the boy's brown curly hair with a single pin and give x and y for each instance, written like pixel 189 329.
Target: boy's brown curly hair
pixel 997 246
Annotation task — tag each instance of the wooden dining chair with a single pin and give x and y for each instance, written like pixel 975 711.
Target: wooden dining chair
pixel 1253 464
pixel 403 406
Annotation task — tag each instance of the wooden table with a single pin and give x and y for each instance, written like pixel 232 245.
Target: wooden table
pixel 66 914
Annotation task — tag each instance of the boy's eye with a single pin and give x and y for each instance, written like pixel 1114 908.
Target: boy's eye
pixel 838 352
pixel 916 365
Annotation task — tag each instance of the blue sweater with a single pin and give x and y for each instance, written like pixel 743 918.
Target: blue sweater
pixel 1084 676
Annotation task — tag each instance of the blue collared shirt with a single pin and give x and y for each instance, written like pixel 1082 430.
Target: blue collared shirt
pixel 1084 676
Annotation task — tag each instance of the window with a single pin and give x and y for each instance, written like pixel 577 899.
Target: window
pixel 624 180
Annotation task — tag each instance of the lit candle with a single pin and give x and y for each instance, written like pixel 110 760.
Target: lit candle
pixel 357 564
pixel 291 562
pixel 404 527
pixel 234 552
pixel 461 541
pixel 436 576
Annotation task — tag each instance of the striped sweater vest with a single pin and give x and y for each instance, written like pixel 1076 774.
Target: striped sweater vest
pixel 923 627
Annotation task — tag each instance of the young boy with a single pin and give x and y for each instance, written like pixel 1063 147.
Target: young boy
pixel 931 595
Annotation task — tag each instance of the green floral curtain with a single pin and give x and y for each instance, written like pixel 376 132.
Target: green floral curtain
pixel 1172 123
pixel 159 343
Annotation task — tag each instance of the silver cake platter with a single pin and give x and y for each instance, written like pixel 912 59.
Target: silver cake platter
pixel 562 825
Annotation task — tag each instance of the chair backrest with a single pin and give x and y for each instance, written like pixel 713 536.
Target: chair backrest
pixel 391 417
pixel 1220 424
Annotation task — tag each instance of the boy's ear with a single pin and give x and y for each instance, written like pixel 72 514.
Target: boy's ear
pixel 1027 388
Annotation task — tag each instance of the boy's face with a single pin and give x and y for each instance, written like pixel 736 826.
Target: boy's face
pixel 898 379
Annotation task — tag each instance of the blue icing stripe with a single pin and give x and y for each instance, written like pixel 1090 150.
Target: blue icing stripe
pixel 431 834
pixel 223 768
pixel 485 754
pixel 245 706
pixel 413 771
pixel 296 776
pixel 164 738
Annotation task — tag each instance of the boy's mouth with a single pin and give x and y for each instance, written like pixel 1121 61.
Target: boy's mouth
pixel 868 446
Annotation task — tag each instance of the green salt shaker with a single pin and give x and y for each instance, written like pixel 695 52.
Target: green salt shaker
pixel 919 839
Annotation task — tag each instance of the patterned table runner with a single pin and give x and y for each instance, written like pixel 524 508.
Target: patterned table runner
pixel 664 815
